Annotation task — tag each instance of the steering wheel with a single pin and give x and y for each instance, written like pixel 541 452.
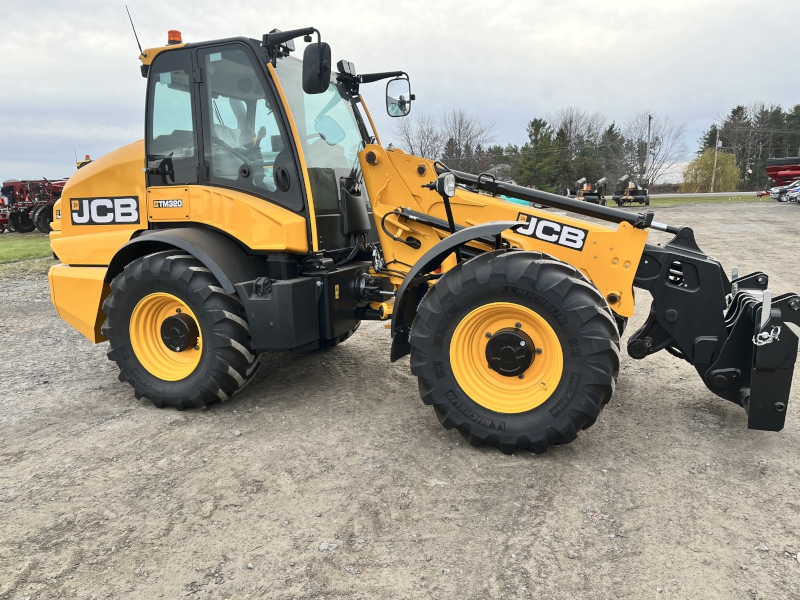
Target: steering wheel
pixel 167 169
pixel 238 153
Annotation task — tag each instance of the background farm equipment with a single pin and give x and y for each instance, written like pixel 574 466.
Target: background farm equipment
pixel 783 171
pixel 3 214
pixel 28 205
pixel 629 192
pixel 589 192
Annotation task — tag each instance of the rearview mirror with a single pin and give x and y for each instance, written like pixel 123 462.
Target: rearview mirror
pixel 329 130
pixel 398 97
pixel 316 68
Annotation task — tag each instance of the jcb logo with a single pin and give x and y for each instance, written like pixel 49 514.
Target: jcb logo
pixel 105 211
pixel 550 231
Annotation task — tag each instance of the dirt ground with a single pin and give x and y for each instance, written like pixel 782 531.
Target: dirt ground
pixel 328 478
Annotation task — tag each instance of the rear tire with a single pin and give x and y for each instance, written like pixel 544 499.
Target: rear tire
pixel 586 338
pixel 225 361
pixel 42 218
pixel 21 222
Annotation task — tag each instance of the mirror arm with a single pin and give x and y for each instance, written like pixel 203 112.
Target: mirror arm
pixel 281 37
pixel 274 40
pixel 372 77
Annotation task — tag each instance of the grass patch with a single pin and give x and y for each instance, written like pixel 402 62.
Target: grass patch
pixel 747 197
pixel 15 247
pixel 34 269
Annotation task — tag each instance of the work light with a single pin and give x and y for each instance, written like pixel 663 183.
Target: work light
pixel 446 185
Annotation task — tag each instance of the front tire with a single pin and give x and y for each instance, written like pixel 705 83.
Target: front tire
pixel 536 401
pixel 178 338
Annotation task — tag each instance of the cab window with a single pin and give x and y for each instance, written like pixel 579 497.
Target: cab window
pixel 172 156
pixel 246 146
pixel 329 131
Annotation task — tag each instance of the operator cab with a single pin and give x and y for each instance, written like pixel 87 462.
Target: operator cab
pixel 247 116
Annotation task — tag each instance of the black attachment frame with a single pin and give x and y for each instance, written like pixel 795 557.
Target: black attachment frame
pixel 694 316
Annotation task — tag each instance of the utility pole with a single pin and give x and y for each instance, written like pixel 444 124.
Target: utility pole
pixel 647 156
pixel 714 172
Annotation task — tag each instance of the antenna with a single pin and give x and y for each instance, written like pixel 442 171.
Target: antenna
pixel 75 152
pixel 134 29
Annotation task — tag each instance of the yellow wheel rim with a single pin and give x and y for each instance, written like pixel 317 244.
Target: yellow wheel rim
pixel 489 388
pixel 152 352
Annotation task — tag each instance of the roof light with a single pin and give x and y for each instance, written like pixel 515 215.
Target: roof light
pixel 174 37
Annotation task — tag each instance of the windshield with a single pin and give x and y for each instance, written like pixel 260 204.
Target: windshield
pixel 329 131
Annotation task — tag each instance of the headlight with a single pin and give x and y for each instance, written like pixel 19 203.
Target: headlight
pixel 446 185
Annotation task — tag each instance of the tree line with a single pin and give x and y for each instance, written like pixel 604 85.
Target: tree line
pixel 561 148
pixel 748 136
pixel 571 143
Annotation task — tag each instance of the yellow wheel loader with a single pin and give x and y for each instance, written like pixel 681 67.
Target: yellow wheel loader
pixel 261 212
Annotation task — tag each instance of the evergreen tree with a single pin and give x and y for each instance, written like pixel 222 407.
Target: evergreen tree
pixel 535 165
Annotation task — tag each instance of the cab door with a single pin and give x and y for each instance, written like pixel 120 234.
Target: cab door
pixel 245 142
pixel 172 152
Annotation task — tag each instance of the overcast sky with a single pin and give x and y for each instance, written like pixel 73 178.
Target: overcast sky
pixel 69 72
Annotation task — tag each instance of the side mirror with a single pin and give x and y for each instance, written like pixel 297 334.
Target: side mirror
pixel 316 68
pixel 329 130
pixel 398 97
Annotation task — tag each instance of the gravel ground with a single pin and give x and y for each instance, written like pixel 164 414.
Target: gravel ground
pixel 328 478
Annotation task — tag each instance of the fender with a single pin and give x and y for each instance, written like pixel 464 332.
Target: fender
pixel 224 258
pixel 414 287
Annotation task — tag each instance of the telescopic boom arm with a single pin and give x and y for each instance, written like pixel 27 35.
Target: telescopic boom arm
pixel 489 184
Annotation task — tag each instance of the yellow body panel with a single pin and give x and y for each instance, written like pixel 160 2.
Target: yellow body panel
pixel 257 223
pixel 115 175
pixel 148 56
pixel 78 294
pixel 609 257
pixel 56 224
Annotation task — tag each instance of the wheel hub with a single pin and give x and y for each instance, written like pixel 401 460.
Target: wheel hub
pixel 179 332
pixel 510 352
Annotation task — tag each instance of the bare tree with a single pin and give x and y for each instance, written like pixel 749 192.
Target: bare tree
pixel 576 127
pixel 465 140
pixel 420 135
pixel 457 138
pixel 667 147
